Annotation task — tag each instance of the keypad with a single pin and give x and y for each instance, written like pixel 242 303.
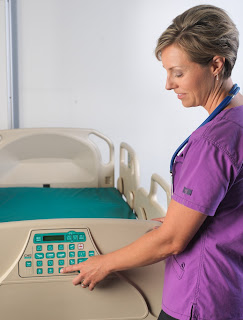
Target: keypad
pixel 44 257
pixel 53 260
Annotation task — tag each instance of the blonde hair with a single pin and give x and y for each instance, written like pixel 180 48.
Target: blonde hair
pixel 203 32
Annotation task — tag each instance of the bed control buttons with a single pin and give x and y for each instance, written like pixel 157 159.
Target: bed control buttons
pixel 50 270
pixel 61 255
pixel 82 254
pixel 75 237
pixel 82 237
pixel 61 262
pixel 72 262
pixel 39 271
pixel 50 263
pixel 37 238
pixel 50 255
pixel 48 251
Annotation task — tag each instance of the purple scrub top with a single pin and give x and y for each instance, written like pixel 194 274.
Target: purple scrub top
pixel 205 281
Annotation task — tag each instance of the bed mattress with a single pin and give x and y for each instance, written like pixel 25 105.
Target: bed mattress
pixel 18 204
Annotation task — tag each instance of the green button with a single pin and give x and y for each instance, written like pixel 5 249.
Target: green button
pixel 50 263
pixel 82 260
pixel 61 262
pixel 82 254
pixel 69 237
pixel 91 253
pixel 38 239
pixel 72 247
pixel 50 255
pixel 39 271
pixel 61 255
pixel 72 261
pixel 50 270
pixel 59 270
pixel 50 247
pixel 28 264
pixel 39 255
pixel 60 247
pixel 75 237
pixel 82 237
pixel 39 263
pixel 39 248
pixel 72 254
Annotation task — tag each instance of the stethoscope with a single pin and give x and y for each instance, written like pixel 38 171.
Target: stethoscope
pixel 234 90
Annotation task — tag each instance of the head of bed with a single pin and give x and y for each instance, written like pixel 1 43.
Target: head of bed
pixel 54 157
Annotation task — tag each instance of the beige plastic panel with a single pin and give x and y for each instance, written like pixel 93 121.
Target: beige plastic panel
pixel 59 157
pixel 134 294
pixel 146 204
pixel 128 181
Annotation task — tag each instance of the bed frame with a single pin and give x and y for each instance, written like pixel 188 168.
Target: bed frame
pixel 69 158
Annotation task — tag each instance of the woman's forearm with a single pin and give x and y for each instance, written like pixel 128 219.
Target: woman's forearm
pixel 150 248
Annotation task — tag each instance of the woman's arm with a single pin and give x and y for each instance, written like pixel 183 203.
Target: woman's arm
pixel 172 237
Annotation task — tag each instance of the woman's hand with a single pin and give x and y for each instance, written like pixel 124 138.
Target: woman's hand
pixel 91 272
pixel 159 220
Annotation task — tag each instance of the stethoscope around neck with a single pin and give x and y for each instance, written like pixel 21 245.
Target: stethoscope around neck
pixel 234 90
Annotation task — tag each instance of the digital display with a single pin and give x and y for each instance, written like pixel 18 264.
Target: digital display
pixel 59 237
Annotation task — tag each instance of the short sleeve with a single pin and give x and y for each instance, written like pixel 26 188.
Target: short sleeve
pixel 203 174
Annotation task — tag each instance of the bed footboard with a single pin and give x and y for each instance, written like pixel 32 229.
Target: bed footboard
pixel 31 286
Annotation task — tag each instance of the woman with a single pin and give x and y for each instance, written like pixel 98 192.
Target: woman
pixel 202 235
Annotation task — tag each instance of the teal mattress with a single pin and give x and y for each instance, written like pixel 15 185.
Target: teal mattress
pixel 18 204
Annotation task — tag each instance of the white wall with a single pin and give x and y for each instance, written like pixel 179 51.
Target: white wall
pixel 3 70
pixel 91 64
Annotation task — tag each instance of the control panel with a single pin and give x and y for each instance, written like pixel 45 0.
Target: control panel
pixel 48 251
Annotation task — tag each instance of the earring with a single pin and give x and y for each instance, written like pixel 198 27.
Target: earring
pixel 217 77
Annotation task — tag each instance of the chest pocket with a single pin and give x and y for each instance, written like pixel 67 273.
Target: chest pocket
pixel 177 169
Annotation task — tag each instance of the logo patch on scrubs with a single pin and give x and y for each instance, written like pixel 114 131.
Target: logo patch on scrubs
pixel 187 191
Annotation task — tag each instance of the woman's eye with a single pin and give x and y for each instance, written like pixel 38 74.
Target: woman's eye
pixel 178 75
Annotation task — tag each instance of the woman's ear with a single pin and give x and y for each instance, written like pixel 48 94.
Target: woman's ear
pixel 217 65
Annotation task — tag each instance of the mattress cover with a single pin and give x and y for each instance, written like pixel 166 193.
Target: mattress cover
pixel 25 203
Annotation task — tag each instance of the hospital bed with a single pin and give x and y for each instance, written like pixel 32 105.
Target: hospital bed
pixel 58 206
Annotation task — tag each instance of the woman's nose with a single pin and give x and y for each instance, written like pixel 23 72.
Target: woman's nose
pixel 169 85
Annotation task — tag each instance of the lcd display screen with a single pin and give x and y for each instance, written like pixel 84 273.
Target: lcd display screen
pixel 58 237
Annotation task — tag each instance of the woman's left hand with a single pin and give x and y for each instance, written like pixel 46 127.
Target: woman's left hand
pixel 91 272
pixel 159 220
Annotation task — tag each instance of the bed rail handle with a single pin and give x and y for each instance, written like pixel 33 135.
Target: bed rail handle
pixel 128 181
pixel 155 181
pixel 107 140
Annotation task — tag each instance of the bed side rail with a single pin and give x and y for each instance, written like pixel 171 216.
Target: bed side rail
pixel 147 205
pixel 128 181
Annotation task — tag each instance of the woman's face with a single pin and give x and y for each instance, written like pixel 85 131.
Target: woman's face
pixel 190 81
